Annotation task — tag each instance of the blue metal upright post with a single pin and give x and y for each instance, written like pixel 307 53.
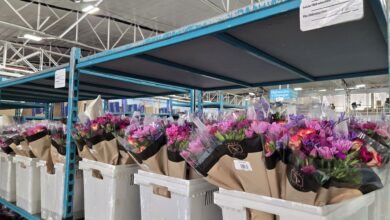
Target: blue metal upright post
pixel 199 97
pixel 73 98
pixel 170 107
pixel 220 101
pixel 106 105
pixel 49 111
pixel 192 101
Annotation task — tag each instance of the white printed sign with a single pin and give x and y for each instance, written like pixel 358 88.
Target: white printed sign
pixel 242 165
pixel 316 14
pixel 60 79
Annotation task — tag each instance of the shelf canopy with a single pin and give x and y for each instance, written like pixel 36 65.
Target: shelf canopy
pixel 259 45
pixel 40 87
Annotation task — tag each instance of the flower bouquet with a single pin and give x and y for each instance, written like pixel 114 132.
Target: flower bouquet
pixel 7 137
pixel 145 144
pixel 178 137
pixel 229 154
pixel 328 166
pixel 96 141
pixel 120 124
pixel 58 142
pixel 37 140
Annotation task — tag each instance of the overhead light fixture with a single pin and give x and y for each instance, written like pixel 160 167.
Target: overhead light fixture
pixel 90 9
pixel 322 90
pixel 32 37
pixel 298 89
pixel 3 73
pixel 360 86
pixel 252 94
pixel 351 88
pixel 338 89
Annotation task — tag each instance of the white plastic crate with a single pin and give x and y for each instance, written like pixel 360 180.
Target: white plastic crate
pixel 52 193
pixel 28 184
pixel 7 177
pixel 115 197
pixel 235 203
pixel 183 199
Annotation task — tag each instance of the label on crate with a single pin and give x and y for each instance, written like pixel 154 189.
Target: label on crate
pixel 60 79
pixel 316 14
pixel 242 165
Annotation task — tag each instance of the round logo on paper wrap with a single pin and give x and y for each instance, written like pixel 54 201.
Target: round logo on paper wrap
pixel 301 181
pixel 235 149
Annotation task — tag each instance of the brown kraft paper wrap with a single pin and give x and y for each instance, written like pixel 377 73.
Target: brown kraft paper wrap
pixel 276 172
pixel 83 150
pixel 303 188
pixel 57 152
pixel 154 157
pixel 177 167
pixel 219 168
pixel 20 147
pixel 104 148
pixel 124 156
pixel 40 144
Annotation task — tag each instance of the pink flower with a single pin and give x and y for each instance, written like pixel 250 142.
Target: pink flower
pixel 382 132
pixel 196 146
pixel 259 127
pixel 185 154
pixel 248 133
pixel 313 124
pixel 275 130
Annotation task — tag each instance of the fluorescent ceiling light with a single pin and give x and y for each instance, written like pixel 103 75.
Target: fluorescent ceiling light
pixel 338 89
pixel 252 94
pixel 90 9
pixel 3 73
pixel 322 90
pixel 32 37
pixel 360 86
pixel 298 89
pixel 351 88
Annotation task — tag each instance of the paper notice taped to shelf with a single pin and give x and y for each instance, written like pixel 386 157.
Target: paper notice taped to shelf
pixel 316 14
pixel 60 79
pixel 242 165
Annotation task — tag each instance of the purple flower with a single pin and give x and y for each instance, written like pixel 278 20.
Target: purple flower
pixel 327 152
pixel 342 146
pixel 275 129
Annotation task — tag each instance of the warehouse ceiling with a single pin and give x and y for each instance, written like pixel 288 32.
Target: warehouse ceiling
pixel 62 25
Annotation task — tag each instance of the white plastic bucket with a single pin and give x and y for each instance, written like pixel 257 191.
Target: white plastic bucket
pixel 7 177
pixel 235 203
pixel 115 197
pixel 52 193
pixel 28 186
pixel 169 198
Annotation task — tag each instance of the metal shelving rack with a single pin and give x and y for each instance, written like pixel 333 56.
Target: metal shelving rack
pixel 259 45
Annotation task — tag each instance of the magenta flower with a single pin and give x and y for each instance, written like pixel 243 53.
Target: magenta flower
pixel 275 129
pixel 308 169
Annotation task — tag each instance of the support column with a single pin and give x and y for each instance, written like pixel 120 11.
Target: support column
pixel 192 101
pixel 73 98
pixel 199 97
pixel 220 101
pixel 105 105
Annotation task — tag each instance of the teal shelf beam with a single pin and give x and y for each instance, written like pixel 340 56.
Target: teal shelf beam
pixel 18 210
